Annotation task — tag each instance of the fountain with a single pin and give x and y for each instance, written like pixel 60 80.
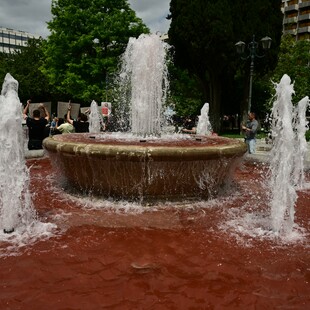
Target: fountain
pixel 145 164
pixel 15 203
pixel 217 253
pixel 287 155
pixel 204 126
pixel 144 83
pixel 95 118
pixel 18 219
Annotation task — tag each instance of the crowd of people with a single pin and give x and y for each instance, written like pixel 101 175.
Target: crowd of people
pixel 40 125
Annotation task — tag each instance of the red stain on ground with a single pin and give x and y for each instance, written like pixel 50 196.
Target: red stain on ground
pixel 172 258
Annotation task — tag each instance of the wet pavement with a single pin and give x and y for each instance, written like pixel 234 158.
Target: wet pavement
pixel 263 153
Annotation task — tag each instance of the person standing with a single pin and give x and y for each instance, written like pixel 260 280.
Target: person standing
pixel 250 132
pixel 36 126
pixel 81 125
pixel 105 111
pixel 189 126
pixel 65 127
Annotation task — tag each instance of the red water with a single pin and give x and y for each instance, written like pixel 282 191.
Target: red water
pixel 162 258
pixel 107 138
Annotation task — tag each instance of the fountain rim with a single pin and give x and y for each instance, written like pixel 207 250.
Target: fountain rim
pixel 132 151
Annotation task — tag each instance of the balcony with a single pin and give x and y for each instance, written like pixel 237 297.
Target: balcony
pixel 304 30
pixel 304 4
pixel 291 31
pixel 304 17
pixel 290 20
pixel 291 8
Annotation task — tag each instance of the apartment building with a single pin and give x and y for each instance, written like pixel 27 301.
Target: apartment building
pixel 296 19
pixel 11 40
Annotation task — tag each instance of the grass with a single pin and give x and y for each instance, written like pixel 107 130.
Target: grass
pixel 260 135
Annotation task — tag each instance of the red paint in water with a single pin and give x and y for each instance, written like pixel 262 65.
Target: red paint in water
pixel 173 258
pixel 108 139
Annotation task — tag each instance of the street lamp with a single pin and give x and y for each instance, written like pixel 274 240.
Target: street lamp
pixel 252 47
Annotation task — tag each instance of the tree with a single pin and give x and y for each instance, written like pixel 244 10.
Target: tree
pixel 196 27
pixel 245 27
pixel 294 60
pixel 87 37
pixel 185 93
pixel 203 33
pixel 24 66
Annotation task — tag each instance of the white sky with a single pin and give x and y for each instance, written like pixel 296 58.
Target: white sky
pixel 32 15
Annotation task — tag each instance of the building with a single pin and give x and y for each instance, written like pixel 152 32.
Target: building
pixel 12 40
pixel 296 19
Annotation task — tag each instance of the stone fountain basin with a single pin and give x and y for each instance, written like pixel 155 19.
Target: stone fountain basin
pixel 131 168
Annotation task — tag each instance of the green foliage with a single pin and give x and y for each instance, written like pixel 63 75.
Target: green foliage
pixel 185 94
pixel 24 66
pixel 87 37
pixel 5 65
pixel 294 60
pixel 203 34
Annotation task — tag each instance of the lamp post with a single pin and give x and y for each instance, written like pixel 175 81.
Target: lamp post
pixel 252 47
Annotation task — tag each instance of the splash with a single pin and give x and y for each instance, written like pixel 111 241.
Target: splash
pixel 204 127
pixel 95 118
pixel 15 203
pixel 300 124
pixel 144 84
pixel 288 149
pixel 18 220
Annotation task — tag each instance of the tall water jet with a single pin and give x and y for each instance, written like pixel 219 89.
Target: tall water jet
pixel 15 202
pixel 300 125
pixel 284 155
pixel 144 73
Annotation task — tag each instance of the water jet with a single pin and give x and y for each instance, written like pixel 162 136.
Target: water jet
pixel 15 206
pixel 211 253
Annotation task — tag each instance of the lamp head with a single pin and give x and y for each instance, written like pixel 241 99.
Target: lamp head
pixel 266 43
pixel 240 47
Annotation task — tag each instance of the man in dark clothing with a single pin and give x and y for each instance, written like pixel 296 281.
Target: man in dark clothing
pixel 189 126
pixel 81 125
pixel 36 126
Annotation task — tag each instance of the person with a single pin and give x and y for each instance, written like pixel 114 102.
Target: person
pixel 42 110
pixel 192 130
pixel 105 114
pixel 36 126
pixel 250 132
pixel 65 126
pixel 81 125
pixel 189 126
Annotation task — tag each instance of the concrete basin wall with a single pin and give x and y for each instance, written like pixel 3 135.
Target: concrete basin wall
pixel 144 172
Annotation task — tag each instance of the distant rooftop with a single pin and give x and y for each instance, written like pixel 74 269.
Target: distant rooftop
pixel 25 33
pixel 12 40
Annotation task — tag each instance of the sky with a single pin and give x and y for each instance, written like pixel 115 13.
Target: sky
pixel 32 15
